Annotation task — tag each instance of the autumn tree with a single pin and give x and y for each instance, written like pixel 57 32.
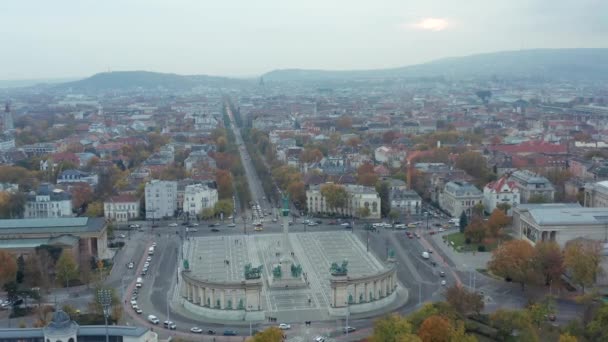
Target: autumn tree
pixel 224 183
pixel 354 142
pixel 582 259
pixel 297 192
pixel 344 122
pixel 514 260
pixel 393 328
pixel 311 155
pixel 363 212
pixel 497 221
pixel 207 213
pixel 8 267
pixel 473 163
pixel 335 195
pixel 12 205
pixel 366 175
pixel 463 300
pixel 476 231
pixel 435 329
pixel 81 194
pixel 550 260
pixel 389 136
pixel 272 334
pixel 66 268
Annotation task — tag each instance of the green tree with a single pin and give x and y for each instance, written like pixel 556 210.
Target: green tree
pixel 383 189
pixel 538 198
pixel 224 206
pixel 597 328
pixel 94 209
pixel 272 334
pixel 393 328
pixel 66 268
pixel 582 259
pixel 511 323
pixel 207 213
pixel 393 215
pixel 463 222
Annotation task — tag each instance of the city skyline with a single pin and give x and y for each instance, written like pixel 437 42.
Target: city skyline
pixel 238 39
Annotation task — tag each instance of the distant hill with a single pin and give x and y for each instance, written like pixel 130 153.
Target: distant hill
pixel 545 63
pixel 123 80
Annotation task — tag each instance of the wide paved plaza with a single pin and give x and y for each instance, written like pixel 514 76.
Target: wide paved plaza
pixel 223 259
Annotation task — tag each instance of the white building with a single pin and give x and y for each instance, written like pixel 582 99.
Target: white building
pixel 77 176
pixel 121 208
pixel 596 194
pixel 48 202
pixel 358 197
pixel 161 199
pixel 458 197
pixel 405 200
pixel 391 157
pixel 502 191
pixel 198 197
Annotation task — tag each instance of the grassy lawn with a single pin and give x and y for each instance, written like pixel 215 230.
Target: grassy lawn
pixel 458 241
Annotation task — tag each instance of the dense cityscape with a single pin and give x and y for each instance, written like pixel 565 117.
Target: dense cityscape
pixel 455 200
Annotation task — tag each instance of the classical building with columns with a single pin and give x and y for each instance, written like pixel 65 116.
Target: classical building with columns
pixel 560 222
pixel 596 194
pixel 347 290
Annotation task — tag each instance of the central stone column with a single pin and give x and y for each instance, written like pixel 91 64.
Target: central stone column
pixel 286 274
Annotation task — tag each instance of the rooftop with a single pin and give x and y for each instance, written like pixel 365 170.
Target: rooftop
pixel 570 216
pixel 63 225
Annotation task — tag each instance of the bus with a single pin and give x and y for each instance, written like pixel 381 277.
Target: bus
pixel 151 250
pixel 139 282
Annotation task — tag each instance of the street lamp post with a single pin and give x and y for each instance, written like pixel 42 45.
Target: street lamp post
pixel 104 296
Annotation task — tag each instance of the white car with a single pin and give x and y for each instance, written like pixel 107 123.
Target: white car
pixel 441 230
pixel 153 244
pixel 146 264
pixel 148 259
pixel 284 326
pixel 122 236
pixel 196 330
pixel 173 224
pixel 130 265
pixel 319 339
pixel 138 310
pixel 194 224
pixel 312 224
pixel 345 224
pixel 443 283
pixel 153 319
pixel 231 225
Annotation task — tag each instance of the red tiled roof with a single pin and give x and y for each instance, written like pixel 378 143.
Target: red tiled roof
pixel 497 185
pixel 123 198
pixel 534 146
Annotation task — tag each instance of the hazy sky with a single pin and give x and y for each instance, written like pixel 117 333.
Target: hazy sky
pixel 61 38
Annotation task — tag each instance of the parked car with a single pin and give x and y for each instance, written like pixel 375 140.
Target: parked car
pixel 231 225
pixel 169 325
pixel 443 283
pixel 284 326
pixel 442 274
pixel 210 332
pixel 130 265
pixel 173 224
pixel 348 329
pixel 153 319
pixel 196 330
pixel 215 230
pixel 319 339
pixel 230 333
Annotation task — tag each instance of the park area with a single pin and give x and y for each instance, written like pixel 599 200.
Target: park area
pixel 460 243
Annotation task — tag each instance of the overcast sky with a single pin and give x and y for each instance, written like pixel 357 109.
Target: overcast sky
pixel 62 38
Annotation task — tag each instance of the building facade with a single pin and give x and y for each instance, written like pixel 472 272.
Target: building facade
pixel 501 191
pixel 358 196
pixel 121 208
pixel 531 185
pixel 405 200
pixel 62 329
pixel 48 202
pixel 198 197
pixel 76 234
pixel 458 197
pixel 596 194
pixel 77 176
pixel 560 222
pixel 161 199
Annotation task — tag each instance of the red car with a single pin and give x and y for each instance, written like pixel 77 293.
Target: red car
pixel 409 235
